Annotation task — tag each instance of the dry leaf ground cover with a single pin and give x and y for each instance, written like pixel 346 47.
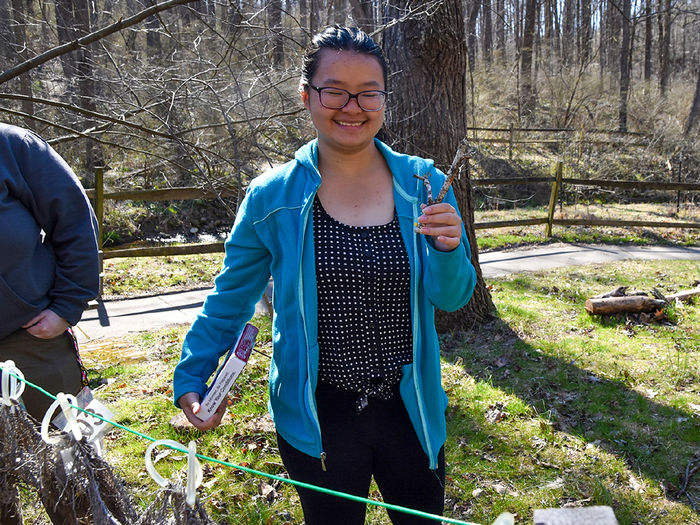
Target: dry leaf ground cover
pixel 549 407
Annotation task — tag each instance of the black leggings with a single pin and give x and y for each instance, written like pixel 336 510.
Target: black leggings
pixel 379 442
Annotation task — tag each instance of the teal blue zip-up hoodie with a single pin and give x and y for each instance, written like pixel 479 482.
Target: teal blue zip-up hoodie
pixel 273 236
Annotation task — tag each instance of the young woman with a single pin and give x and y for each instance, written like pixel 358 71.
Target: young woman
pixel 355 388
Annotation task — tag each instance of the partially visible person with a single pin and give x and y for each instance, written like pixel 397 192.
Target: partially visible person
pixel 49 269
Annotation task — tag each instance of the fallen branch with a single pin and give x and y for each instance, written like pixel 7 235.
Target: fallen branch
pixel 690 470
pixel 613 305
pixel 684 296
pixel 619 300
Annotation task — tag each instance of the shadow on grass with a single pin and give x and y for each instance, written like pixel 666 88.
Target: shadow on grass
pixel 651 438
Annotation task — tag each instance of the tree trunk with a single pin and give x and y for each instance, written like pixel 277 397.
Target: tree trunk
pixel 487 31
pixel 548 39
pixel 19 39
pixel 313 16
pixel 303 20
pixel 612 42
pixel 87 85
pixel 557 29
pixel 153 46
pixel 7 52
pixel 231 17
pixel 517 26
pixel 692 123
pixel 363 13
pixel 568 37
pixel 274 13
pixel 66 33
pixel 501 31
pixel 429 85
pixel 624 65
pixel 585 31
pixel 338 11
pixel 473 13
pixel 602 47
pixel 647 40
pixel 664 44
pixel 527 104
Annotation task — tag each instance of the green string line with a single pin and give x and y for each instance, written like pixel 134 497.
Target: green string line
pixel 324 490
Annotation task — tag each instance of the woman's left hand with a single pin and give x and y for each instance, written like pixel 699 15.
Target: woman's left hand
pixel 442 222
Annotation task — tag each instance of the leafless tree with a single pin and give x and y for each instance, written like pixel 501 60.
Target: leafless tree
pixel 527 95
pixel 624 65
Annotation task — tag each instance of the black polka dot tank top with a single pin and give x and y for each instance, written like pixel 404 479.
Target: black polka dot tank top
pixel 364 319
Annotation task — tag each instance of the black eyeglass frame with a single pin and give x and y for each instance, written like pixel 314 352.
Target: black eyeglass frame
pixel 350 97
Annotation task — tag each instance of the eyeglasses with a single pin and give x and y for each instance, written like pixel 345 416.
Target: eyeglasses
pixel 337 98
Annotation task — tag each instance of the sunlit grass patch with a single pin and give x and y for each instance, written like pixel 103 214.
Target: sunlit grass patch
pixel 548 406
pixel 142 275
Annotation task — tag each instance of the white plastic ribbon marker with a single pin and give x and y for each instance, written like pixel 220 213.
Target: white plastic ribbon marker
pixel 70 414
pixel 194 469
pixel 12 387
pixel 194 474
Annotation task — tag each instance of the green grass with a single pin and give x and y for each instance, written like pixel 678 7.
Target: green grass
pixel 498 238
pixel 146 275
pixel 548 407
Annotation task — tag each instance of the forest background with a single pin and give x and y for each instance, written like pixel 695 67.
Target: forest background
pixel 205 93
pixel 199 93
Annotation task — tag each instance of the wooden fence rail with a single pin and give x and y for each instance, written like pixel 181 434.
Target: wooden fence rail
pixel 167 194
pixel 558 181
pixel 582 136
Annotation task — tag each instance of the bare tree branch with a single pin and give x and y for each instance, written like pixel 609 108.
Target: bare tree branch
pixel 30 64
pixel 82 111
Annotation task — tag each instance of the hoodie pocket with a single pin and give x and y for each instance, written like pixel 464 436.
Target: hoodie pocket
pixel 13 309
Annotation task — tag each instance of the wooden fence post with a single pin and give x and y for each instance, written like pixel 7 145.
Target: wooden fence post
pixel 99 213
pixel 680 173
pixel 510 141
pixel 553 199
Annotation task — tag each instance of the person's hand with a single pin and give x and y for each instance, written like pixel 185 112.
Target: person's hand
pixel 47 325
pixel 442 222
pixel 189 403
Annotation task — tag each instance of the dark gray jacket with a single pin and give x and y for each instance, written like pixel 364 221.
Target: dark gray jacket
pixel 48 234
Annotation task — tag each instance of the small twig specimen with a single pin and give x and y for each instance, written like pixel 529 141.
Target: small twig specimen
pixel 428 188
pixel 455 169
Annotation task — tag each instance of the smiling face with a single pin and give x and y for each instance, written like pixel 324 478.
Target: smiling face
pixel 349 129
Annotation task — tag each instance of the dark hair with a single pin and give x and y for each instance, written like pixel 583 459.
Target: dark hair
pixel 340 38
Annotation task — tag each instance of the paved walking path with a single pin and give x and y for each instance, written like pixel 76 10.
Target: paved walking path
pixel 127 316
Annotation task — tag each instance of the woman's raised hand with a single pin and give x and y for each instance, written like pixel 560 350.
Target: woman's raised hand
pixel 442 222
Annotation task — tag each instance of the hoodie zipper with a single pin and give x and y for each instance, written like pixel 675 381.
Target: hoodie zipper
pixel 300 291
pixel 419 398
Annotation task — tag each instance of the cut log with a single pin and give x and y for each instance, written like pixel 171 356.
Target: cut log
pixel 613 305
